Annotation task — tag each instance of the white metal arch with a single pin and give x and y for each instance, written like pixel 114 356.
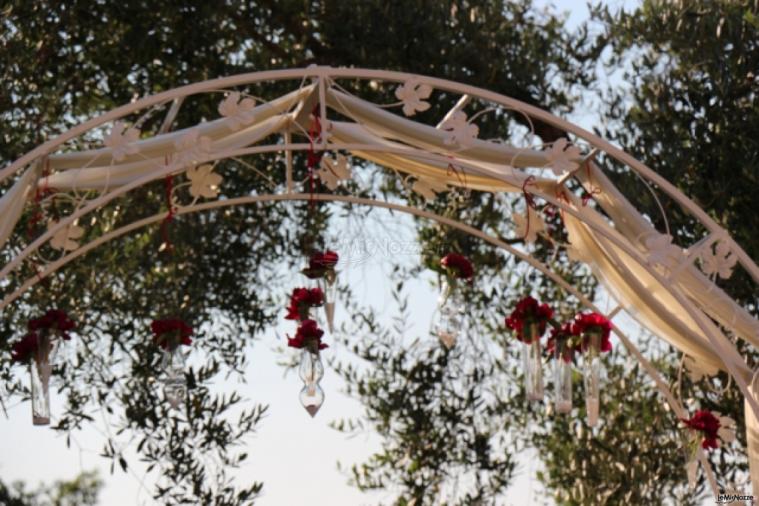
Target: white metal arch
pixel 324 78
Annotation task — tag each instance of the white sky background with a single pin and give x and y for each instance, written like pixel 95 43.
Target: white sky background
pixel 293 455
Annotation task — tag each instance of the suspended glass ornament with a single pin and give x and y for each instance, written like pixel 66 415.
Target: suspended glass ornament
pixel 562 370
pixel 447 321
pixel 532 362
pixel 174 382
pixel 592 375
pixel 41 369
pixel 328 285
pixel 311 371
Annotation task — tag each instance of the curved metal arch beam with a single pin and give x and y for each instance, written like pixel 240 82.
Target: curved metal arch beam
pixel 720 345
pixel 324 73
pixel 255 199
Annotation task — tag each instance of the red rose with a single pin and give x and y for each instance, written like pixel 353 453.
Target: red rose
pixel 171 332
pixel 320 264
pixel 25 348
pixel 706 423
pixel 458 265
pixel 564 333
pixel 529 311
pixel 585 323
pixel 308 335
pixel 55 320
pixel 301 300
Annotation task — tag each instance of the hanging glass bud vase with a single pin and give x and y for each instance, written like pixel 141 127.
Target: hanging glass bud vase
pixel 311 371
pixel 562 364
pixel 592 375
pixel 328 285
pixel 41 368
pixel 174 383
pixel 532 362
pixel 447 319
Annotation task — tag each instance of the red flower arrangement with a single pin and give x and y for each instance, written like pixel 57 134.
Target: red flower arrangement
pixel 309 335
pixel 707 424
pixel 54 320
pixel 527 312
pixel 562 334
pixel 302 300
pixel 457 266
pixel 169 333
pixel 321 264
pixel 588 323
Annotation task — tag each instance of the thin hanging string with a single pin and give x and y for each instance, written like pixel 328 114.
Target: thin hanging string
pixel 168 185
pixel 458 172
pixel 530 203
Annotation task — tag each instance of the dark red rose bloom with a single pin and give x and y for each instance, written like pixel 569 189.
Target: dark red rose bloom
pixel 55 320
pixel 24 349
pixel 308 335
pixel 171 332
pixel 326 260
pixel 707 424
pixel 564 333
pixel 320 264
pixel 592 322
pixel 458 265
pixel 529 311
pixel 301 300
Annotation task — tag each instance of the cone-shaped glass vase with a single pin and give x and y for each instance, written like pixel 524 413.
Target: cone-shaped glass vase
pixel 41 368
pixel 328 285
pixel 592 377
pixel 174 384
pixel 562 371
pixel 447 319
pixel 532 363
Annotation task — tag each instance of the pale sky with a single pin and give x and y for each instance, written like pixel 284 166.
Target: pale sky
pixel 295 456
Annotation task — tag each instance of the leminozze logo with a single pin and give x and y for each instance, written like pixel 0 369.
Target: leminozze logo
pixel 732 496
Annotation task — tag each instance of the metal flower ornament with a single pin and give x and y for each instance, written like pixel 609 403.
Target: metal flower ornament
pixel 413 94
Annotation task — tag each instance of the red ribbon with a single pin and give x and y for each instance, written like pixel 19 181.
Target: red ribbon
pixel 588 195
pixel 168 185
pixel 313 158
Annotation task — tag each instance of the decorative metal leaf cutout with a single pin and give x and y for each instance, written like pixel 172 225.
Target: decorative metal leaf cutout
pixel 412 93
pixel 333 170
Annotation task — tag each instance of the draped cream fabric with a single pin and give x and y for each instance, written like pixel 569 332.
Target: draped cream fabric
pixel 421 152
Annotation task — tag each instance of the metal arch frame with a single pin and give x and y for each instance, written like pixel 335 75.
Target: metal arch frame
pixel 718 342
pixel 323 73
pixel 661 385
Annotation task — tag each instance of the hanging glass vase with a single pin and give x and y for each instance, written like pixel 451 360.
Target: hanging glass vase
pixel 328 285
pixel 532 362
pixel 691 449
pixel 311 371
pixel 174 383
pixel 562 364
pixel 592 376
pixel 41 369
pixel 448 317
